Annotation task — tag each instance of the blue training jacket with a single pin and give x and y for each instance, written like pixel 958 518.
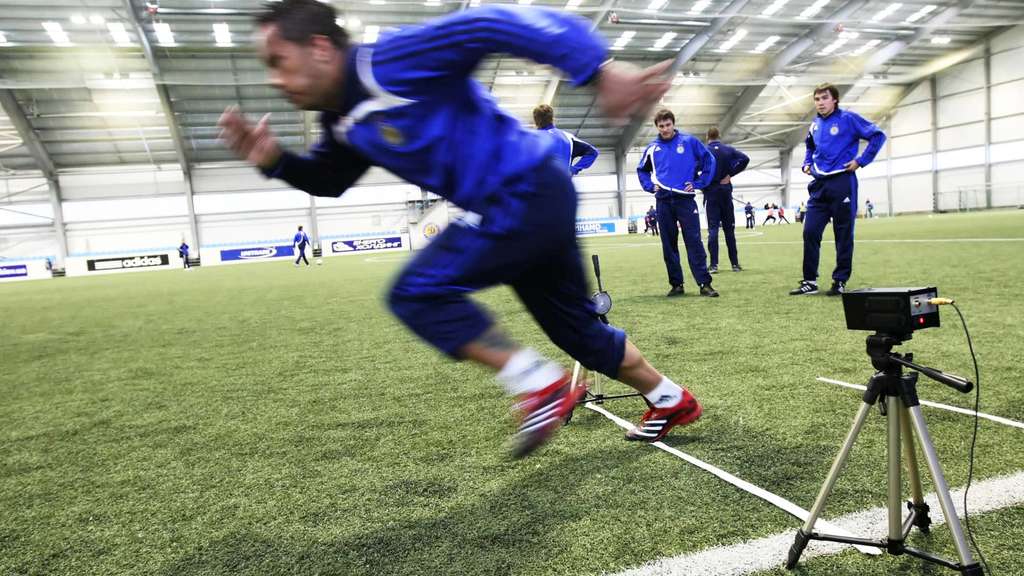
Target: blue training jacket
pixel 410 106
pixel 569 147
pixel 833 141
pixel 728 162
pixel 301 239
pixel 667 165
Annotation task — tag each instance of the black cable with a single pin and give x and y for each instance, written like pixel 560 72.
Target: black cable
pixel 974 440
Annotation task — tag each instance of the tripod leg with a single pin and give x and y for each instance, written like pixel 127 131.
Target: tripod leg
pixel 917 504
pixel 804 534
pixel 942 491
pixel 895 467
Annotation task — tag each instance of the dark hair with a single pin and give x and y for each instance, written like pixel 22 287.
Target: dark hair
pixel 713 133
pixel 827 87
pixel 664 114
pixel 300 20
pixel 543 115
pixel 300 227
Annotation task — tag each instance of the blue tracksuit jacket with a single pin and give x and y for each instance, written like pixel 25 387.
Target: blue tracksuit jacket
pixel 569 147
pixel 667 165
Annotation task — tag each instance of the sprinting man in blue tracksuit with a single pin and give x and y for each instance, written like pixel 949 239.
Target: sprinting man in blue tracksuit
pixel 300 241
pixel 832 161
pixel 673 166
pixel 718 199
pixel 567 146
pixel 408 103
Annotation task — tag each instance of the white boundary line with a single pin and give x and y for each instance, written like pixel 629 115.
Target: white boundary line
pixel 771 551
pixel 956 409
pixel 771 498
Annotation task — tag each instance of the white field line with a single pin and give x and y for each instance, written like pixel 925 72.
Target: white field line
pixel 771 498
pixel 770 552
pixel 956 409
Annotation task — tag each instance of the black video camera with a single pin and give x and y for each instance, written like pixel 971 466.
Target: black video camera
pixel 897 311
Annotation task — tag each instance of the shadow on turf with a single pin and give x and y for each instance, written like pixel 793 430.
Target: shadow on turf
pixel 514 529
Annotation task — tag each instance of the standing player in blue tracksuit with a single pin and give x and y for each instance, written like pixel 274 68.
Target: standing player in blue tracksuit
pixel 718 199
pixel 748 211
pixel 674 165
pixel 183 254
pixel 408 103
pixel 832 161
pixel 567 146
pixel 300 241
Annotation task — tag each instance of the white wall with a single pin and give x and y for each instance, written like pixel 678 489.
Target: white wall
pixel 950 165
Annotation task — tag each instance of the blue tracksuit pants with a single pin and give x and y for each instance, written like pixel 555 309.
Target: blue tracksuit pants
pixel 682 209
pixel 534 252
pixel 831 198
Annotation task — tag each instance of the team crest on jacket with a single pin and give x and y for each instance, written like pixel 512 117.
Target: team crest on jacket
pixel 679 149
pixel 390 134
pixel 834 129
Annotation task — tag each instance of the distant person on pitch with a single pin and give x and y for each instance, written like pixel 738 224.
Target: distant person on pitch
pixel 782 215
pixel 578 154
pixel 673 167
pixel 652 215
pixel 831 159
pixel 748 211
pixel 301 240
pixel 800 211
pixel 718 199
pixel 183 254
pixel 870 208
pixel 408 103
pixel 771 214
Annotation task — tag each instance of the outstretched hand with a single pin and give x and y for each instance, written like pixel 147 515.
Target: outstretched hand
pixel 625 90
pixel 256 145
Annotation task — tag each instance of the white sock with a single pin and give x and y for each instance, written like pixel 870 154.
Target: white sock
pixel 527 371
pixel 666 393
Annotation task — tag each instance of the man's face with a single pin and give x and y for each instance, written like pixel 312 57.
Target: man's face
pixel 824 103
pixel 666 128
pixel 302 72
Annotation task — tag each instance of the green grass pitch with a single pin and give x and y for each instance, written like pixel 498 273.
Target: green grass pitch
pixel 269 420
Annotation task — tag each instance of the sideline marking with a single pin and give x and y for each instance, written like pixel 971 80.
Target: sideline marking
pixel 770 551
pixel 956 409
pixel 771 498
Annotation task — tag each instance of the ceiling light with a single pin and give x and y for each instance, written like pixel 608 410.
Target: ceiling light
pixel 740 34
pixel 624 39
pixel 370 34
pixel 119 34
pixel 868 46
pixel 57 33
pixel 886 12
pixel 700 6
pixel 664 40
pixel 525 2
pixel 812 10
pixel 656 5
pixel 78 19
pixel 571 5
pixel 844 37
pixel 924 11
pixel 96 20
pixel 222 34
pixel 164 36
pixel 940 39
pixel 774 7
pixel 765 44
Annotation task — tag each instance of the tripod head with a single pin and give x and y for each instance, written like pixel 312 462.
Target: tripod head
pixel 879 348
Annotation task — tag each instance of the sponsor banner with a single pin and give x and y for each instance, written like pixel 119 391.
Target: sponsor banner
pixel 258 253
pixel 127 262
pixel 367 244
pixel 600 227
pixel 14 271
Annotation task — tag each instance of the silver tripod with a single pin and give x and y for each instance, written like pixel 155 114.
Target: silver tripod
pixel 897 393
